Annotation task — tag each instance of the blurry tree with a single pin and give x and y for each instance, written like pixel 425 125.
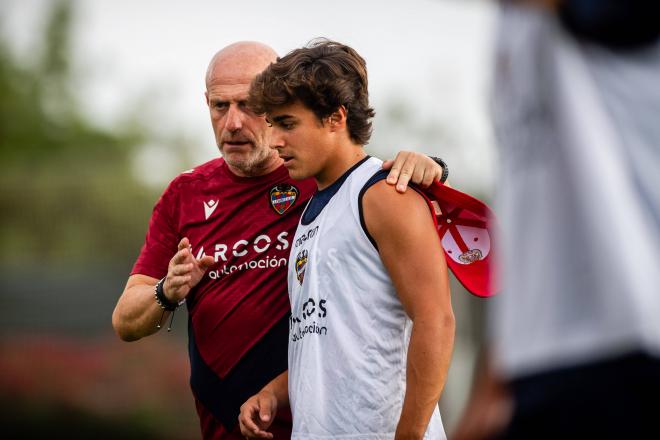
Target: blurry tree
pixel 67 194
pixel 72 216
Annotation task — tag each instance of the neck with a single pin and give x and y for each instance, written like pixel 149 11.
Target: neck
pixel 340 163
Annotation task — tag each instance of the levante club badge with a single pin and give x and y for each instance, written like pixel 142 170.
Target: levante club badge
pixel 301 264
pixel 283 197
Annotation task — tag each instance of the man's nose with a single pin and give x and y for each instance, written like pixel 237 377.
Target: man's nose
pixel 276 139
pixel 234 120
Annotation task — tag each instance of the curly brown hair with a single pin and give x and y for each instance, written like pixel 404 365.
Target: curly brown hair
pixel 323 76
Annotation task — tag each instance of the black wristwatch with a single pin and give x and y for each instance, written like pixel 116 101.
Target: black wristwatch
pixel 445 168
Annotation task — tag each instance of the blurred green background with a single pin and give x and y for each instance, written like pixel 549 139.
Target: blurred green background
pixel 73 218
pixel 74 210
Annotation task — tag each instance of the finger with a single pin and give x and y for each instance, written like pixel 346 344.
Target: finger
pixel 181 269
pixel 396 166
pixel 393 176
pixel 418 174
pixel 436 171
pixel 205 262
pixel 184 243
pixel 420 165
pixel 249 428
pixel 401 158
pixel 183 250
pixel 181 256
pixel 267 407
pixel 429 178
pixel 402 181
pixel 241 425
pixel 246 420
pixel 177 281
pixel 265 410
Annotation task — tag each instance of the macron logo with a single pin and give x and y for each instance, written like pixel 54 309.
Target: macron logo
pixel 209 207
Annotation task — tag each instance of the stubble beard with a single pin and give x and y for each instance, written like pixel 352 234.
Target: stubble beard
pixel 253 163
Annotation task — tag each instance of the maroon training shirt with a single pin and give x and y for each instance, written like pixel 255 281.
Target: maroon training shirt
pixel 247 225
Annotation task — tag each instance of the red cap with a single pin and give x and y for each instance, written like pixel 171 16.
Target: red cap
pixel 465 226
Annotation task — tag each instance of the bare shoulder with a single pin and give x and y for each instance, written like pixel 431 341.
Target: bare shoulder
pixel 387 211
pixel 382 197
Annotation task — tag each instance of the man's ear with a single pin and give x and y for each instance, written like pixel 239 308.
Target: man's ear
pixel 337 119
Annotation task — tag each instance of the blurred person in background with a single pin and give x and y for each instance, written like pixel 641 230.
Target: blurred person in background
pixel 574 344
pixel 219 240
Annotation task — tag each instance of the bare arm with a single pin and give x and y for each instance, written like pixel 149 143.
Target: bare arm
pixel 489 407
pixel 410 250
pixel 137 313
pixel 258 412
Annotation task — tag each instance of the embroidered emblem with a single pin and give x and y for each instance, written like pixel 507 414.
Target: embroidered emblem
pixel 209 207
pixel 282 197
pixel 471 256
pixel 301 264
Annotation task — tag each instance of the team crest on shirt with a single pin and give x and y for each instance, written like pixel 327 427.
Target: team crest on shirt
pixel 282 197
pixel 301 264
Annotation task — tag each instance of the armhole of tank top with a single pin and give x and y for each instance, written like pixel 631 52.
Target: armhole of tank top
pixel 380 175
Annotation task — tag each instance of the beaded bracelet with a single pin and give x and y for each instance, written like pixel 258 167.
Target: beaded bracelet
pixel 165 304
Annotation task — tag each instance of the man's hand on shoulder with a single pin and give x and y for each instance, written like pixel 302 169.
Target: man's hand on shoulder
pixel 409 166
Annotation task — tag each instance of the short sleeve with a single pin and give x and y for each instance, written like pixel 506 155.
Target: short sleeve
pixel 162 237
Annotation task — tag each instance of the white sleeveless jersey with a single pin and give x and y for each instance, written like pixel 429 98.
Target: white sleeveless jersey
pixel 349 334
